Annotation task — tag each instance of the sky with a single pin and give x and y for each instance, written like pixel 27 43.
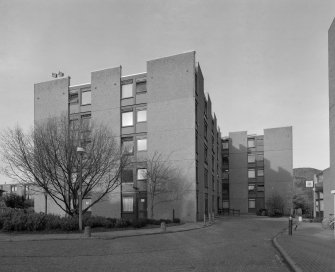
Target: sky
pixel 265 62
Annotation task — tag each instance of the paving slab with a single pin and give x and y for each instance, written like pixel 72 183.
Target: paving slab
pixel 310 248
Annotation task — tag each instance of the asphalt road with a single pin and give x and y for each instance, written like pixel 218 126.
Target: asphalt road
pixel 233 244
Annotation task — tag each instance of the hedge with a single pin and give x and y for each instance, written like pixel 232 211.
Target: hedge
pixel 22 220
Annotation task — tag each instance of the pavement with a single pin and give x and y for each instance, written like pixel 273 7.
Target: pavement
pixel 113 234
pixel 310 248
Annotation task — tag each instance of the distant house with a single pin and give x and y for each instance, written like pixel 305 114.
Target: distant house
pixel 19 189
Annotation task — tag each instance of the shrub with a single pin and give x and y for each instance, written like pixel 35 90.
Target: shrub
pixel 121 223
pixel 14 201
pixel 69 223
pixel 153 221
pixel 35 221
pixel 52 222
pixel 15 221
pixel 275 205
pixel 139 223
pixel 262 212
pixel 167 221
pixel 99 221
pixel 176 220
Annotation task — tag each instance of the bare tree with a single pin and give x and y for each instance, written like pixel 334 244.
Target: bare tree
pixel 46 157
pixel 164 183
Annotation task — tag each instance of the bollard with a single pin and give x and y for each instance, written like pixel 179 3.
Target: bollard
pixel 163 226
pixel 290 226
pixel 87 231
pixel 204 219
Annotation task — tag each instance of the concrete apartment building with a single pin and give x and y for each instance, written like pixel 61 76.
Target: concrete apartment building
pixel 329 174
pixel 162 110
pixel 256 166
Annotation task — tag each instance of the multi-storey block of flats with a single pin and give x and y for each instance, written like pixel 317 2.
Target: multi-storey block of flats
pixel 163 110
pixel 254 167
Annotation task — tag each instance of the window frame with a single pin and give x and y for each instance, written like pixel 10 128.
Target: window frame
pixel 138 171
pixel 251 200
pixel 130 170
pixel 131 205
pixel 137 115
pixel 139 82
pixel 250 156
pixel 128 139
pixel 130 87
pixel 146 144
pixel 258 171
pixel 132 118
pixel 251 170
pixel 81 97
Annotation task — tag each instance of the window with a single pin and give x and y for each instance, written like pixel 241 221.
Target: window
pixel 213 183
pixel 74 124
pixel 251 188
pixel 205 130
pixel 206 178
pixel 127 119
pixel 260 172
pixel 260 188
pixel 85 97
pixel 225 204
pixel 141 87
pixel 87 202
pixel 127 176
pixel 141 116
pixel 13 188
pixel 73 98
pixel 225 189
pixel 251 158
pixel 225 145
pixel 86 121
pixel 213 164
pixel 206 154
pixel 127 204
pixel 141 144
pixel 252 203
pixel 128 145
pixel 251 142
pixel 251 173
pixel 205 107
pixel 127 91
pixel 141 173
pixel 260 157
pixel 26 191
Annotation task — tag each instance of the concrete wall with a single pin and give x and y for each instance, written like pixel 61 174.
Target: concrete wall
pixel 171 125
pixel 52 207
pixel 51 98
pixel 328 198
pixel 105 88
pixel 238 171
pixel 278 164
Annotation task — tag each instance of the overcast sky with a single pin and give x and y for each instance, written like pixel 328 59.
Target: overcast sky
pixel 264 62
